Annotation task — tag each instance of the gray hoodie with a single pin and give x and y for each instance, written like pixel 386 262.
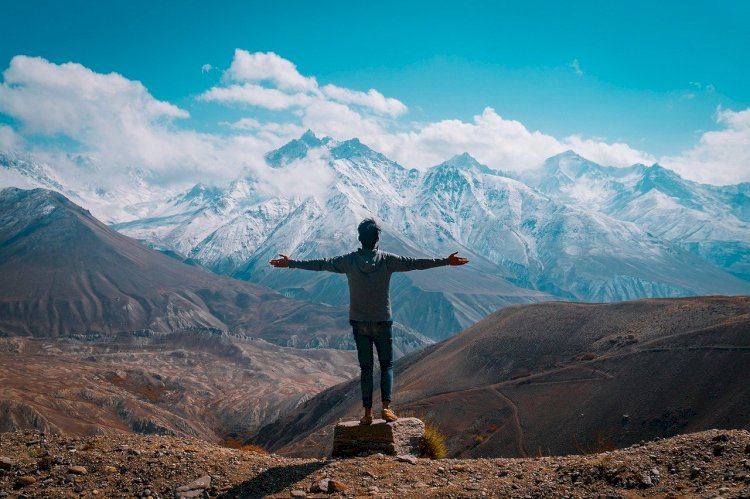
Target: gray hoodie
pixel 369 275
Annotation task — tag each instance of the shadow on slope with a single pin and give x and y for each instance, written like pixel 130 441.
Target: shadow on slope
pixel 273 480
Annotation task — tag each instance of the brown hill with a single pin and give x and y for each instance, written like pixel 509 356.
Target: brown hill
pixel 64 272
pixel 558 378
pixel 708 464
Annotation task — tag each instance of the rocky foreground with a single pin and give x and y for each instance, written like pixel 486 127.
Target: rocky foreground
pixel 714 463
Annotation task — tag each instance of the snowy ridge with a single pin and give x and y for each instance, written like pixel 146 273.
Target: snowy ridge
pixel 709 221
pixel 572 229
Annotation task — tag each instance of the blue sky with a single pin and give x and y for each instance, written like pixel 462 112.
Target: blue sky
pixel 651 75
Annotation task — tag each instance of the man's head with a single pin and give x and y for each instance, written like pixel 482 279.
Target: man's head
pixel 369 233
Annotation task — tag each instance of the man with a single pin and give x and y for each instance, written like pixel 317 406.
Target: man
pixel 368 271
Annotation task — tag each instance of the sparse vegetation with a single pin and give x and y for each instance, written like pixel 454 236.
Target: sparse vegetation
pixel 600 444
pixel 433 443
pixel 235 442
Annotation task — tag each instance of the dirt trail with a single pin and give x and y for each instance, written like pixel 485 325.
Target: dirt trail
pixel 516 422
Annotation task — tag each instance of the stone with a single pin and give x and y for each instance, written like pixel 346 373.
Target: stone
pixel 194 488
pixel 694 472
pixel 6 463
pixel 407 459
pixel 322 486
pixel 298 493
pixel 25 480
pixel 110 469
pixel 78 470
pixel 401 437
pixel 646 480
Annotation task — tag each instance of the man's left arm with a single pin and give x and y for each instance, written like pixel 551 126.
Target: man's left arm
pixel 339 264
pixel 398 263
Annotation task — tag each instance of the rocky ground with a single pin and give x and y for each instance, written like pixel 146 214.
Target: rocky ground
pixel 714 463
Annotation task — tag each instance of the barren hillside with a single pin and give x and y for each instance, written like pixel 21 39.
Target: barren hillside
pixel 558 378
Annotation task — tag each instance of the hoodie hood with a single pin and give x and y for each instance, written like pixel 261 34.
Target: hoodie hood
pixel 369 260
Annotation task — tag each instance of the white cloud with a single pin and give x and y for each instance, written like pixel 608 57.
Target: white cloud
pixel 114 121
pixel 269 81
pixel 256 95
pixel 269 130
pixel 372 99
pixel 339 121
pixel 119 125
pixel 206 68
pixel 267 66
pixel 9 139
pixel 720 156
pixel 610 154
pixel 244 124
pixel 495 141
pixel 309 176
pixel 71 99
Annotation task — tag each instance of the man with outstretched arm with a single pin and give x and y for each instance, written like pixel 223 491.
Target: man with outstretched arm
pixel 368 271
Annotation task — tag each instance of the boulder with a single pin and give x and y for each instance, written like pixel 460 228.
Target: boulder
pixel 401 437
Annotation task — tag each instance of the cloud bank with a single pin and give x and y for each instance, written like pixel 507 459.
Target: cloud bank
pixel 120 125
pixel 721 156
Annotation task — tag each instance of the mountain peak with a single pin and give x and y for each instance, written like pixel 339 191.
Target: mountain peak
pixel 566 157
pixel 465 161
pixel 294 149
pixel 310 138
pixel 355 148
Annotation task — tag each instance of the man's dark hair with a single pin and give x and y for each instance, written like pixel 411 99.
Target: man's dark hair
pixel 369 232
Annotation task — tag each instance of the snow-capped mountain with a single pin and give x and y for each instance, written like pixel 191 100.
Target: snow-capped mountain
pixel 572 229
pixel 708 221
pixel 523 245
pixel 125 201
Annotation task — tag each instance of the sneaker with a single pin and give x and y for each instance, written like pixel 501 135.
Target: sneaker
pixel 366 419
pixel 389 415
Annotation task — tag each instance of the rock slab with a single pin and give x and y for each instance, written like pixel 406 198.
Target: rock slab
pixel 401 437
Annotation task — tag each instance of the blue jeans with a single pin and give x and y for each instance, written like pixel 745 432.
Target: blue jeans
pixel 367 334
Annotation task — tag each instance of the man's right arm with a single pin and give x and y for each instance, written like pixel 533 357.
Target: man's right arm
pixel 339 264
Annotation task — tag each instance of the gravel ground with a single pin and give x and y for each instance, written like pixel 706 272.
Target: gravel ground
pixel 714 463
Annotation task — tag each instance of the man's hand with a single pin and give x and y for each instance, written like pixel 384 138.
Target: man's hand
pixel 457 260
pixel 282 262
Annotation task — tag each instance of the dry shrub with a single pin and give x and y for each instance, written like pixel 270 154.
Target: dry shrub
pixel 600 444
pixel 235 442
pixel 433 443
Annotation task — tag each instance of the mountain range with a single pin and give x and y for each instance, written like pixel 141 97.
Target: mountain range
pixel 570 230
pixel 67 274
